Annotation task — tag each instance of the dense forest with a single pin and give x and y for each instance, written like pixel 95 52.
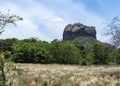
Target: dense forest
pixel 59 52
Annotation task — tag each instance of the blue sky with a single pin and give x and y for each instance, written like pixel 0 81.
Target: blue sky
pixel 46 19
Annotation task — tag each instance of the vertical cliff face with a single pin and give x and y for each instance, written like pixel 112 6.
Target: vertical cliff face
pixel 76 30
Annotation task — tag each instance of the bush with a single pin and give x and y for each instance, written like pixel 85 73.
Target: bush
pixel 115 56
pixel 100 54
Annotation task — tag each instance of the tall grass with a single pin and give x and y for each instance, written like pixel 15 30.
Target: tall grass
pixel 66 75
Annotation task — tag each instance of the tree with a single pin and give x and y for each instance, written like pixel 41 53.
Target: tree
pixel 114 56
pixel 100 54
pixel 114 30
pixel 4 20
pixel 64 53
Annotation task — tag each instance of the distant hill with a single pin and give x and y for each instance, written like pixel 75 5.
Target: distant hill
pixel 88 42
pixel 83 35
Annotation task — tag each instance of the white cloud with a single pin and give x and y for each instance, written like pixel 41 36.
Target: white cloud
pixel 25 28
pixel 42 15
pixel 56 20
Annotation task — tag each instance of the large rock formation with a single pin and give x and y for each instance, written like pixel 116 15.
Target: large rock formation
pixel 76 30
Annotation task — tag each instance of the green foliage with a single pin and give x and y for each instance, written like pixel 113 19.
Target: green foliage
pixel 31 52
pixel 64 53
pixel 45 83
pixel 43 52
pixel 100 54
pixel 2 72
pixel 35 51
pixel 1 58
pixel 86 42
pixel 5 67
pixel 89 58
pixel 115 56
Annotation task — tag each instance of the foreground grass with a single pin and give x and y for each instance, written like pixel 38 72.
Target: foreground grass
pixel 64 75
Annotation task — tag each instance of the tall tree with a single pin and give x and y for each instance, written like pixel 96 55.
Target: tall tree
pixel 5 18
pixel 114 30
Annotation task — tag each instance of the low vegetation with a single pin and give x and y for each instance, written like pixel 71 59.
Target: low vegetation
pixel 64 75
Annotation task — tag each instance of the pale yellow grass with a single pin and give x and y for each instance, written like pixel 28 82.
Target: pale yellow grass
pixel 66 75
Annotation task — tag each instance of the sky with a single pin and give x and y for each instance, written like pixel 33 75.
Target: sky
pixel 46 19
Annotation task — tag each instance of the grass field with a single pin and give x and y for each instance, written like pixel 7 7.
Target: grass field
pixel 65 75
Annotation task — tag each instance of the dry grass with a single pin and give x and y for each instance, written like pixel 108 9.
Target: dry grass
pixel 65 75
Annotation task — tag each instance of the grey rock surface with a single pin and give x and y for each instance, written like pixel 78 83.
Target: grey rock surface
pixel 73 31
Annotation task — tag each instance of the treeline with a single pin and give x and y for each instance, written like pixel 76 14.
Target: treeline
pixel 35 51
